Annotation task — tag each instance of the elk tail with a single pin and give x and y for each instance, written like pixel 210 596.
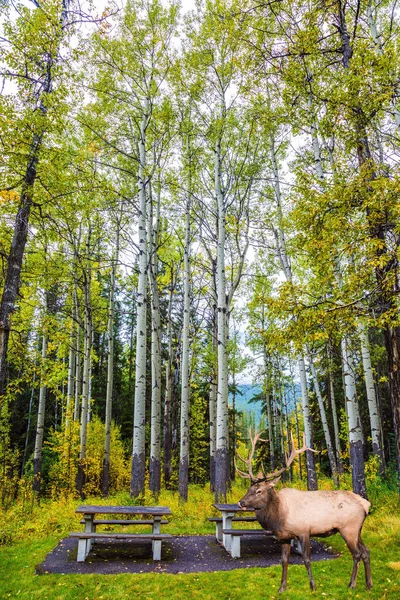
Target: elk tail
pixel 365 505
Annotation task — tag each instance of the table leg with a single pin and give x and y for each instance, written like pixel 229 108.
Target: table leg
pixel 156 544
pixel 227 524
pixel 157 525
pixel 218 531
pixel 89 528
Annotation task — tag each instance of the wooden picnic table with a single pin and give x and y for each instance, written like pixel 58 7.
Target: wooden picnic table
pixel 154 516
pixel 228 512
pixel 224 532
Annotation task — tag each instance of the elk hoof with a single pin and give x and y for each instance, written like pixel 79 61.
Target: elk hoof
pixel 313 587
pixel 282 588
pixel 352 585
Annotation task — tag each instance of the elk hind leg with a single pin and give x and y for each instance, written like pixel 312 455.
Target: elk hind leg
pixel 285 563
pixel 306 546
pixel 367 565
pixel 352 542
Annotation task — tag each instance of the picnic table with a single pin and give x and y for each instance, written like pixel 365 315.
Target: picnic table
pixel 224 532
pixel 148 515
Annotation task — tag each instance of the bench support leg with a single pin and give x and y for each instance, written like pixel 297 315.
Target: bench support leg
pixel 82 550
pixel 227 524
pixel 218 531
pixel 235 546
pixel 156 549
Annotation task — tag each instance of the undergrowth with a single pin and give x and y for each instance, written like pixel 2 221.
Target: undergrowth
pixel 28 531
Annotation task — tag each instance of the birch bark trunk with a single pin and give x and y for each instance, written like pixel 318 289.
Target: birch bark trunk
pixel 334 413
pixel 374 416
pixel 78 372
pixel 312 483
pixel 139 419
pixel 38 452
pixel 222 433
pixel 353 415
pixel 325 427
pixel 168 393
pixel 155 425
pixel 87 334
pixel 71 367
pixel 105 480
pixel 185 363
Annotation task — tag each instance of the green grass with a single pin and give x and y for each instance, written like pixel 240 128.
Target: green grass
pixel 43 526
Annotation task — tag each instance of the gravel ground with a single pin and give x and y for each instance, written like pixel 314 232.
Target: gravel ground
pixel 181 554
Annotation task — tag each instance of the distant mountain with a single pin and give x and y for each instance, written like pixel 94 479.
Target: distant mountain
pixel 247 391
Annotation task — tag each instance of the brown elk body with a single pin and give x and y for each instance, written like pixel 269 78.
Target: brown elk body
pixel 295 514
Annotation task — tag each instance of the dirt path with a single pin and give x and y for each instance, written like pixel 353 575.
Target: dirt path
pixel 181 554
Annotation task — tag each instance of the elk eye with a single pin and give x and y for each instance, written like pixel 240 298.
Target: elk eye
pixel 258 492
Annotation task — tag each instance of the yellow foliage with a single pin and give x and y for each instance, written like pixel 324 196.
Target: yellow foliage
pixel 8 196
pixel 63 471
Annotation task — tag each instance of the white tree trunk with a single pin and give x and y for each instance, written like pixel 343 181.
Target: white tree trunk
pixel 212 405
pixel 168 394
pixel 373 409
pixel 139 419
pixel 222 433
pixel 71 368
pixel 87 338
pixel 78 372
pixel 38 452
pixel 312 482
pixel 328 441
pixel 105 481
pixel 185 367
pixel 334 414
pixel 354 421
pixel 155 425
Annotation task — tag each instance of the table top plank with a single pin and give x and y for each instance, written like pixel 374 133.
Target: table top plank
pixel 231 508
pixel 124 510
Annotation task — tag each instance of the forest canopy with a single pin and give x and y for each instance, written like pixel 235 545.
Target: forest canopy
pixel 186 195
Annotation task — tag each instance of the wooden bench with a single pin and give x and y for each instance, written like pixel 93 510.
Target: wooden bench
pixel 83 537
pixel 218 524
pixel 236 534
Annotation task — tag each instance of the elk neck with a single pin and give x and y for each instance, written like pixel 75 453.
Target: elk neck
pixel 270 514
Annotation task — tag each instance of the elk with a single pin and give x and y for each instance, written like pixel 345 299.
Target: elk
pixel 297 515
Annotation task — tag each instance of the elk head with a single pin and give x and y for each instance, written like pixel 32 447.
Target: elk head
pixel 257 495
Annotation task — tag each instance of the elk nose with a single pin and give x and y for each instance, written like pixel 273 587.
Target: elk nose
pixel 240 504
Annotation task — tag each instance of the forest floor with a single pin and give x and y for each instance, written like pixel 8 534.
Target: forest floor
pixel 28 533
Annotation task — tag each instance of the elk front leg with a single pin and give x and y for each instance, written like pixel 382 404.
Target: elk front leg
pixel 306 546
pixel 285 562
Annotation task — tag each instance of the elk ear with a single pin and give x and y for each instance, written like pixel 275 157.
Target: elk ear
pixel 273 482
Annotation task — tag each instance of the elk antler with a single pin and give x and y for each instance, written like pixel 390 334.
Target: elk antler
pixel 247 461
pixel 289 459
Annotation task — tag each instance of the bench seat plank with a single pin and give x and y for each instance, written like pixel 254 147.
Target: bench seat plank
pixel 239 532
pixel 124 522
pixel 125 510
pixel 234 519
pixel 120 536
